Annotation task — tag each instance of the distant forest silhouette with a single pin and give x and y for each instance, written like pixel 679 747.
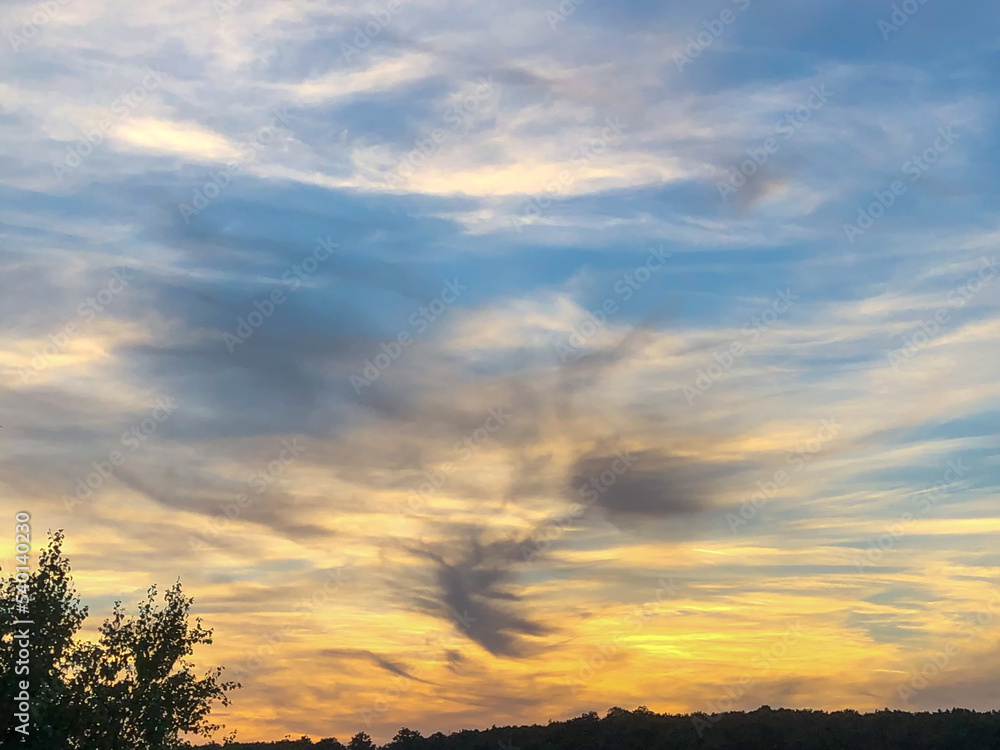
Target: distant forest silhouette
pixel 763 729
pixel 134 689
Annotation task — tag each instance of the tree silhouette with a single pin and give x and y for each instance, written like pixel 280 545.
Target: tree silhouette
pixel 57 616
pixel 132 689
pixel 329 743
pixel 407 739
pixel 361 741
pixel 763 729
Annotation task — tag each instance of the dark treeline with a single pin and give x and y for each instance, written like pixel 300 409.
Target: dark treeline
pixel 763 729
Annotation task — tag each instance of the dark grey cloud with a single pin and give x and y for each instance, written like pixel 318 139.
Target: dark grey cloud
pixel 649 483
pixel 376 659
pixel 200 491
pixel 472 589
pixel 475 578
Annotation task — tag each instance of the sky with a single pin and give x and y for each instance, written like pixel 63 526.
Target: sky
pixel 487 363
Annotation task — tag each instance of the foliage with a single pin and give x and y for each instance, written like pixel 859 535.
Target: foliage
pixel 57 617
pixel 763 729
pixel 361 741
pixel 133 688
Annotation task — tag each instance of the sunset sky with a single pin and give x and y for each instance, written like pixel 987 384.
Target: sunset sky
pixel 477 363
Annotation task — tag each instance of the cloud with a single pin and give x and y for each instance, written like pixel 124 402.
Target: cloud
pixel 525 573
pixel 177 139
pixel 472 590
pixel 380 661
pixel 649 483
